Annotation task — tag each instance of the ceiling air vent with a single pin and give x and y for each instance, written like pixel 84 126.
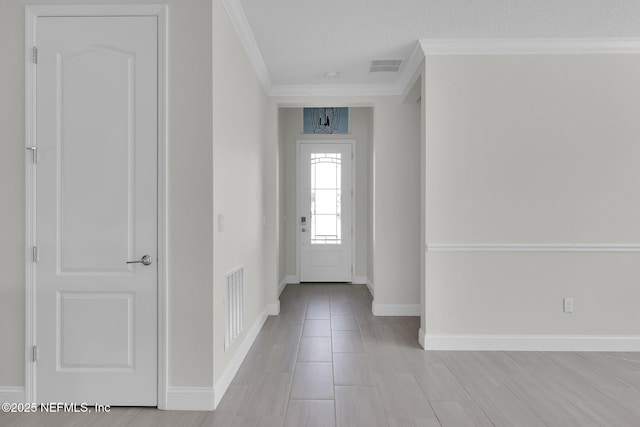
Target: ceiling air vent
pixel 379 65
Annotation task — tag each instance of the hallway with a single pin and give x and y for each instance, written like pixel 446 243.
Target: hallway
pixel 326 361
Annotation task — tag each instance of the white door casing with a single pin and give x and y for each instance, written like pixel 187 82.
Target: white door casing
pixel 94 199
pixel 325 210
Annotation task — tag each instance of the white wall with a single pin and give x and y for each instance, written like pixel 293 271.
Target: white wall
pixel 290 132
pixel 525 150
pixel 370 204
pixel 239 172
pixel 282 200
pixel 397 203
pixel 189 186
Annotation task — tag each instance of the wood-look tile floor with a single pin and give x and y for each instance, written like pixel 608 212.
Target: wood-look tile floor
pixel 327 361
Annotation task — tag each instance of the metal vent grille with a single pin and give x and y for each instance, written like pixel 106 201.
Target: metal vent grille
pixel 380 65
pixel 234 306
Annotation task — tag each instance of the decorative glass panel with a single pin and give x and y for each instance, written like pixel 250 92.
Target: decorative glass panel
pixel 326 199
pixel 334 120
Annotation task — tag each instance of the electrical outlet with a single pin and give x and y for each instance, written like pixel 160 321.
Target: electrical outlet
pixel 567 305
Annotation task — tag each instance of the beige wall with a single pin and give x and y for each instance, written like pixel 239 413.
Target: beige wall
pixel 239 161
pixel 282 199
pixel 290 132
pixel 189 185
pixel 239 165
pixel 396 203
pixel 12 191
pixel 532 149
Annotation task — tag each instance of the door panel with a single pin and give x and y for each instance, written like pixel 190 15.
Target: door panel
pixel 325 211
pixel 96 209
pixel 93 142
pixel 96 331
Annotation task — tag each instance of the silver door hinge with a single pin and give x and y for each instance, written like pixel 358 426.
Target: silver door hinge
pixel 34 153
pixel 34 355
pixel 34 254
pixel 35 55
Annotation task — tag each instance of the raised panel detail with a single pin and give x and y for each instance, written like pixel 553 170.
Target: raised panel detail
pixel 95 331
pixel 95 199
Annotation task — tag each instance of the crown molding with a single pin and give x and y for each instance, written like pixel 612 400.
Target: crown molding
pixel 529 46
pixel 533 247
pixel 332 90
pixel 409 68
pixel 240 23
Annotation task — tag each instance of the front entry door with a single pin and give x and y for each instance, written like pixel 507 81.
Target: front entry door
pixel 325 204
pixel 96 209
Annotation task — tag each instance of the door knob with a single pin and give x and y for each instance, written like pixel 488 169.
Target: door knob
pixel 145 260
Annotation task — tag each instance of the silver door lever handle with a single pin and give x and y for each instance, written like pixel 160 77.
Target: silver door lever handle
pixel 146 260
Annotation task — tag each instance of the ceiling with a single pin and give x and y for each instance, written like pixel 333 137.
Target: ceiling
pixel 299 41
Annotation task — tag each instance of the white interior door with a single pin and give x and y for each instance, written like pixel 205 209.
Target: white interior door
pixel 325 205
pixel 96 209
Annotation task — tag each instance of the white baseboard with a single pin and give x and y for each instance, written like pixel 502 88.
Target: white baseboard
pixel 12 395
pixel 273 309
pixel 190 399
pixel 370 286
pixel 221 386
pixel 421 338
pixel 395 309
pixel 530 342
pixel 294 280
pixel 360 280
pixel 283 284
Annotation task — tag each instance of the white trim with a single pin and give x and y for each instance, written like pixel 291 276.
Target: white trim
pixel 360 280
pixel 421 338
pixel 529 46
pixel 97 10
pixel 243 29
pixel 294 280
pixel 409 68
pixel 282 285
pixel 532 247
pixel 30 179
pixel 12 395
pixel 163 206
pixel 221 386
pixel 31 14
pixel 273 309
pixel 190 399
pixel 395 309
pixel 370 286
pixel 333 90
pixel 621 343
